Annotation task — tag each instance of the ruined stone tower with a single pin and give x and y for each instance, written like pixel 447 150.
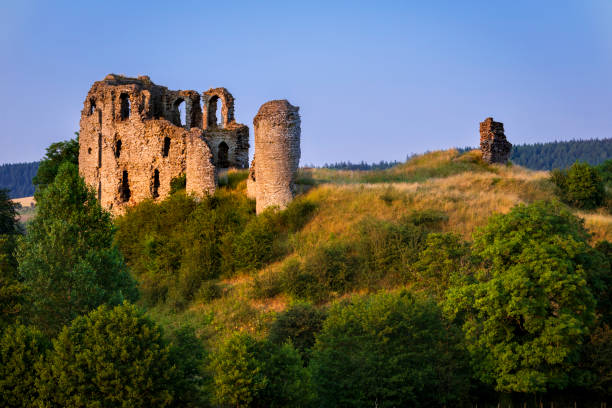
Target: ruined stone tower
pixel 134 141
pixel 277 150
pixel 493 143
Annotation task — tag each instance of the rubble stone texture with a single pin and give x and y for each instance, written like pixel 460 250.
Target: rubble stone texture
pixel 277 146
pixel 132 141
pixel 493 143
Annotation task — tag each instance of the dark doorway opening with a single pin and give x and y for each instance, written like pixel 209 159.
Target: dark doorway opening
pixel 124 192
pixel 155 189
pixel 223 155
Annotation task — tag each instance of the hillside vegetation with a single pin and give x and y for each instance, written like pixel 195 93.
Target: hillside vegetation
pixel 442 281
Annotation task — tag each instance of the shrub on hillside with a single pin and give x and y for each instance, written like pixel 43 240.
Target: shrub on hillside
pixel 21 348
pixel 580 186
pixel 251 373
pixel 299 324
pixel 388 350
pixel 118 357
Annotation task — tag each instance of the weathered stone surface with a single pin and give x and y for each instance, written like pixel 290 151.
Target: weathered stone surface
pixel 132 141
pixel 493 143
pixel 277 146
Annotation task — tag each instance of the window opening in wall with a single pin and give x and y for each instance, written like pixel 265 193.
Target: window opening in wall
pixel 118 148
pixel 124 192
pixel 155 189
pixel 182 110
pixel 89 150
pixel 223 155
pixel 166 147
pixel 125 106
pixel 219 113
pixel 92 106
pixel 99 150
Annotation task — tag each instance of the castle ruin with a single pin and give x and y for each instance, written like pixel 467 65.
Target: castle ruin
pixel 493 143
pixel 136 137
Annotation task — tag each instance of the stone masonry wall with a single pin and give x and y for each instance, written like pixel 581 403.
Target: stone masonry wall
pixel 277 145
pixel 132 141
pixel 493 143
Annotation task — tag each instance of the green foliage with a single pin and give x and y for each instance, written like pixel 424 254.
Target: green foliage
pixel 12 291
pixel 600 281
pixel 21 348
pixel 178 183
pixel 67 259
pixel 299 324
pixel 529 308
pixel 388 350
pixel 580 186
pixel 209 291
pixel 444 262
pixel 114 358
pixel 598 360
pixel 176 245
pixel 251 373
pixel 57 154
pixel 8 214
pixel 254 247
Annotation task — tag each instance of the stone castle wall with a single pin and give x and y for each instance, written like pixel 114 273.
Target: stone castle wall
pixel 277 146
pixel 493 143
pixel 132 141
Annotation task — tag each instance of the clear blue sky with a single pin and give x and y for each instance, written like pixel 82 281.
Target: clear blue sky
pixel 374 80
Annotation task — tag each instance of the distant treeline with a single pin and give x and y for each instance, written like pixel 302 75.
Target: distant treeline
pixel 360 166
pixel 17 178
pixel 559 155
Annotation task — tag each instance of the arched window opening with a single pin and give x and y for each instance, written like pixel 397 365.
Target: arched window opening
pixel 124 192
pixel 155 189
pixel 219 114
pixel 125 106
pixel 99 150
pixel 182 112
pixel 92 106
pixel 166 147
pixel 118 148
pixel 223 155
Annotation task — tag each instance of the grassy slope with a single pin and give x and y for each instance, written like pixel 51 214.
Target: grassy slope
pixel 466 189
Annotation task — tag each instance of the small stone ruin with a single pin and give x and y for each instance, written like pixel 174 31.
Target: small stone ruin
pixel 493 143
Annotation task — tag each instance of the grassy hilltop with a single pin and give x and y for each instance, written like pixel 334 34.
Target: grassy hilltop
pixel 348 232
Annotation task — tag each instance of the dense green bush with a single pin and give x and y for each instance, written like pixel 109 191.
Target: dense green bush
pixel 117 357
pixel 251 373
pixel 176 245
pixel 21 348
pixel 445 261
pixel 388 350
pixel 580 186
pixel 529 308
pixel 178 183
pixel 67 259
pixel 299 324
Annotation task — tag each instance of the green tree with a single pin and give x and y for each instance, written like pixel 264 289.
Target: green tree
pixel 445 261
pixel 299 324
pixel 388 350
pixel 580 186
pixel 67 259
pixel 529 308
pixel 12 291
pixel 57 154
pixel 251 373
pixel 21 348
pixel 110 358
